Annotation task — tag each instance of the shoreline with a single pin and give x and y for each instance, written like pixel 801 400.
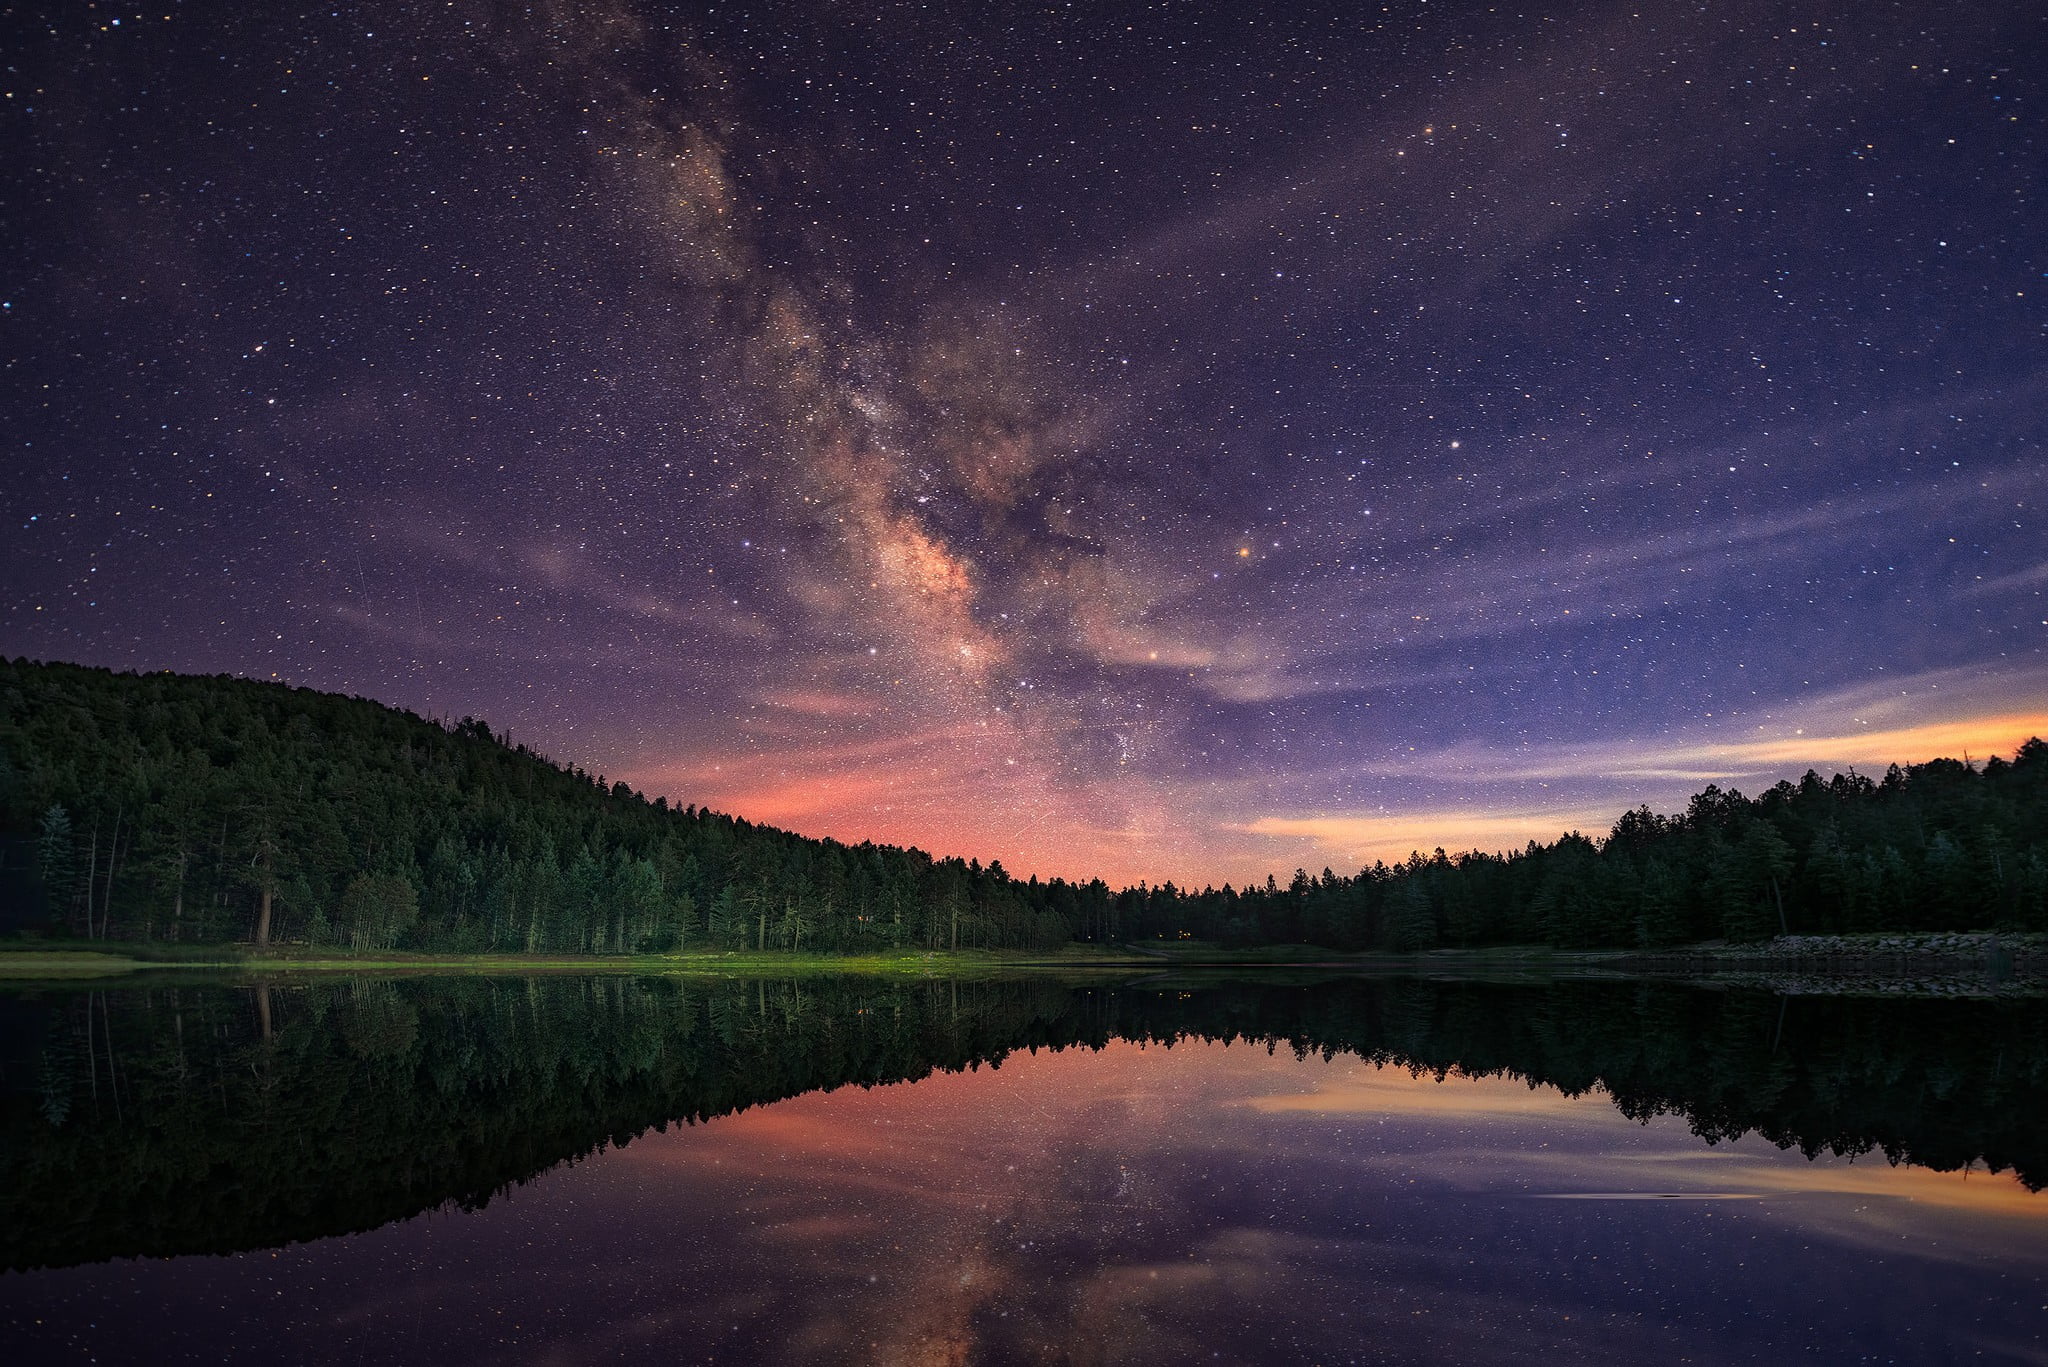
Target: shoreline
pixel 1975 963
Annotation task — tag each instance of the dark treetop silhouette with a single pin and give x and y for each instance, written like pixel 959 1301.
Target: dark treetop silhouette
pixel 164 807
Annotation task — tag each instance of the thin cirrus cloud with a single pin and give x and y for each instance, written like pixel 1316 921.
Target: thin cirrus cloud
pixel 1935 714
pixel 1357 839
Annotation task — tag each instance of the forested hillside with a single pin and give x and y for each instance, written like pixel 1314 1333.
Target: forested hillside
pixel 176 808
pixel 1945 845
pixel 171 807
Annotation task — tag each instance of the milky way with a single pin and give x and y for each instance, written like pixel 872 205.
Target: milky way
pixel 1166 441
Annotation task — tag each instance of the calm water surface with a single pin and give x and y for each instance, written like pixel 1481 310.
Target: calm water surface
pixel 1240 1173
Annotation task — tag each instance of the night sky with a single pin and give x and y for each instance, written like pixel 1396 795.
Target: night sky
pixel 1166 441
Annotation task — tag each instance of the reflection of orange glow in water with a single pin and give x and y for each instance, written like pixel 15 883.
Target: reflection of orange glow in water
pixel 1390 1091
pixel 969 1158
pixel 1981 1192
pixel 1720 1171
pixel 960 1198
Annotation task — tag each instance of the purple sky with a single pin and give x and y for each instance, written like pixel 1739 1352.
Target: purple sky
pixel 1151 442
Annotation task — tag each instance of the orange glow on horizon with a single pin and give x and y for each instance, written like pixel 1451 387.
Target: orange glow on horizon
pixel 984 792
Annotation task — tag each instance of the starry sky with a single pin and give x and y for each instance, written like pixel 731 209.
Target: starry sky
pixel 1155 441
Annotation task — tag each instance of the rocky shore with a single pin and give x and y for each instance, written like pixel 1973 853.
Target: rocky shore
pixel 1963 964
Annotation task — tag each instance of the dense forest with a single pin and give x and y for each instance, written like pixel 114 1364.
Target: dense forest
pixel 174 808
pixel 182 1119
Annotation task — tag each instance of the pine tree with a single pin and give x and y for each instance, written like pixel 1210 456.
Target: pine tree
pixel 57 858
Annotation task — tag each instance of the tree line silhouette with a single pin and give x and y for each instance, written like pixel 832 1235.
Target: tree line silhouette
pixel 180 1119
pixel 164 807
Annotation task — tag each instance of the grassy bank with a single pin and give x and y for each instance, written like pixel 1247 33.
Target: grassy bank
pixel 59 963
pixel 46 959
pixel 1835 956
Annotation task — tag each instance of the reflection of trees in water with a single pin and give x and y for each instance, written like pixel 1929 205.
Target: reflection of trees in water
pixel 159 1120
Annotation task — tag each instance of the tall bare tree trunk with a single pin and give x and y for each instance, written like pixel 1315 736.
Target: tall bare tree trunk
pixel 92 868
pixel 263 901
pixel 178 896
pixel 92 1057
pixel 113 862
pixel 113 1069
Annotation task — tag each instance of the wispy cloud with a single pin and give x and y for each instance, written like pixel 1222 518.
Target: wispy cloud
pixel 2033 577
pixel 1356 839
pixel 1504 796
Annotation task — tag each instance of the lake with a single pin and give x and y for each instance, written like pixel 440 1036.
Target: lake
pixel 1278 1168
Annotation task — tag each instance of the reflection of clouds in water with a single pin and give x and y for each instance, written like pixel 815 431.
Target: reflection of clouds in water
pixel 1153 1205
pixel 1871 1206
pixel 1752 1167
pixel 1146 1205
pixel 1981 1192
pixel 945 1174
pixel 1648 1196
pixel 1393 1091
